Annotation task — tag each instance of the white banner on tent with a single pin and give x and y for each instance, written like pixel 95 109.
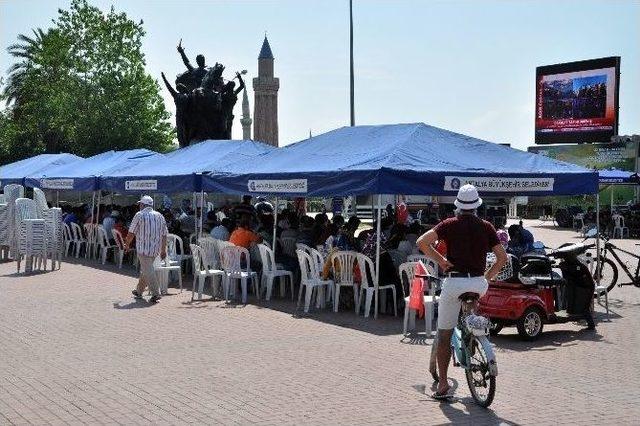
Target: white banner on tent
pixel 141 185
pixel 273 186
pixel 500 184
pixel 56 183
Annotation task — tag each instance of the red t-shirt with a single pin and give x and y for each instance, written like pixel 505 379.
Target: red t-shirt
pixel 468 239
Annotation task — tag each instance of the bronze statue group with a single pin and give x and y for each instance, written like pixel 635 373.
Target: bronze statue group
pixel 204 101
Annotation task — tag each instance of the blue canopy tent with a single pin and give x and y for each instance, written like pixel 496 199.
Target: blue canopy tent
pixel 181 170
pixel 615 177
pixel 16 172
pixel 83 175
pixel 412 159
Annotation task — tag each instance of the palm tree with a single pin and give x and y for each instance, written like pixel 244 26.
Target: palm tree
pixel 26 52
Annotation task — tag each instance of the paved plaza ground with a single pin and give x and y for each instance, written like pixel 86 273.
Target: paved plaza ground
pixel 76 348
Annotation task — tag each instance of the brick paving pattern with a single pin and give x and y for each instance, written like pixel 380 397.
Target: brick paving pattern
pixel 76 348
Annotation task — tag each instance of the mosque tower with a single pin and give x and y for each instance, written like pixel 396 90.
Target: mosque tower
pixel 265 90
pixel 246 117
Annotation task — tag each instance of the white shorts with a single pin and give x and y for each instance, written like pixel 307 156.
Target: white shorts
pixel 449 304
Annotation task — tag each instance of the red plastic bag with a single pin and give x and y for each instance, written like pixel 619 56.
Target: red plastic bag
pixel 416 297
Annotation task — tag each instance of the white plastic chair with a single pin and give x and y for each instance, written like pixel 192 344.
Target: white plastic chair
pixel 8 231
pixel 119 250
pixel 175 249
pixel 427 261
pixel 91 231
pixel 104 245
pixel 370 289
pixel 619 228
pixel 310 281
pixel 78 240
pixel 342 263
pixel 162 269
pixel 288 246
pixel 578 221
pixel 68 238
pixel 408 270
pixel 305 248
pixel 270 272
pixel 231 259
pixel 201 271
pixel 55 235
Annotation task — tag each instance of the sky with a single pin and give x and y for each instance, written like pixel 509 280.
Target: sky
pixel 466 66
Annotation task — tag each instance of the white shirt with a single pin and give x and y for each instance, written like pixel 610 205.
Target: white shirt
pixel 220 233
pixel 149 227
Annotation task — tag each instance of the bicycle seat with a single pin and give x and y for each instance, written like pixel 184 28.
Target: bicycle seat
pixel 469 296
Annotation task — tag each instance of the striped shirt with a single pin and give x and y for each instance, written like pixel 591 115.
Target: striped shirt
pixel 149 227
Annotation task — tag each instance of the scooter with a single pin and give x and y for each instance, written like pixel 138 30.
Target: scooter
pixel 542 287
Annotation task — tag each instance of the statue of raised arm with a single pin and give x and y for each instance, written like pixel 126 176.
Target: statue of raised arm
pixel 173 91
pixel 184 56
pixel 241 85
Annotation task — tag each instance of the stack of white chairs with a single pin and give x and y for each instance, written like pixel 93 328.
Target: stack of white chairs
pixel 8 233
pixel 53 223
pixel 32 235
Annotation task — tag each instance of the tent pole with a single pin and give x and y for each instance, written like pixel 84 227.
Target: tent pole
pixel 57 198
pixel 378 230
pixel 275 226
pixel 193 206
pixel 612 187
pixel 201 213
pixel 96 221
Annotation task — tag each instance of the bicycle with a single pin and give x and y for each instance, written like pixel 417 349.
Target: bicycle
pixel 606 269
pixel 472 351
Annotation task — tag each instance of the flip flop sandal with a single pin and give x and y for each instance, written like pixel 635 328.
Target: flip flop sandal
pixel 442 396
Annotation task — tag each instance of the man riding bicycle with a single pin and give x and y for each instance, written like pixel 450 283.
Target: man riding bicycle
pixel 468 240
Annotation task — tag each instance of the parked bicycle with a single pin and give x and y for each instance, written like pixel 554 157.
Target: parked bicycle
pixel 472 351
pixel 606 269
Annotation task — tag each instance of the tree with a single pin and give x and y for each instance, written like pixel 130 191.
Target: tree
pixel 81 87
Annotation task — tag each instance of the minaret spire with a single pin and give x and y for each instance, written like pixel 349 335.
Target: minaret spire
pixel 246 117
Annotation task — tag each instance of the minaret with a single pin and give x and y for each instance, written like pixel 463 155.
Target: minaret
pixel 265 91
pixel 246 118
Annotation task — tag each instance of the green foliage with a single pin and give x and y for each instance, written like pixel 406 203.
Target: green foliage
pixel 81 87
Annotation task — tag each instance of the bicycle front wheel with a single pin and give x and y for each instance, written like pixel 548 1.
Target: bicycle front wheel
pixel 608 273
pixel 481 383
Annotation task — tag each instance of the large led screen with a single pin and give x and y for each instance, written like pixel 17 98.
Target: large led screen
pixel 577 101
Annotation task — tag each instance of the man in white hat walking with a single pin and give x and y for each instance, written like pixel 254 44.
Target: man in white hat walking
pixel 468 239
pixel 150 230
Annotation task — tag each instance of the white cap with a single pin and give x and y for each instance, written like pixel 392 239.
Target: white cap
pixel 468 198
pixel 146 200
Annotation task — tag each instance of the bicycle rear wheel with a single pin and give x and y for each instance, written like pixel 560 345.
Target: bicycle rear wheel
pixel 481 383
pixel 608 272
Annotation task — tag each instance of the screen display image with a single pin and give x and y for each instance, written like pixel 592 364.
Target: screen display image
pixel 577 102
